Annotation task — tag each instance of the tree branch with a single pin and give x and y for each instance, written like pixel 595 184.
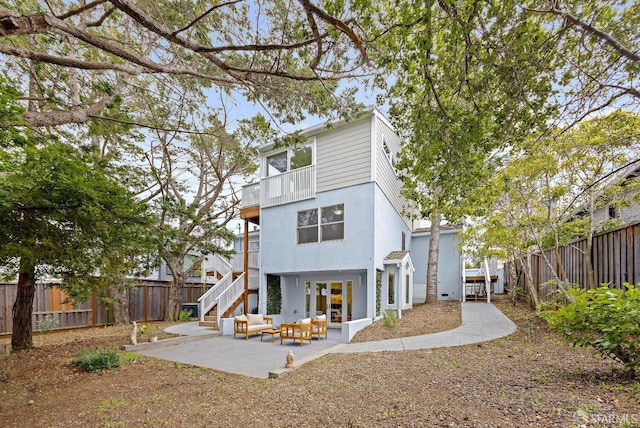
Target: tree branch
pixel 54 118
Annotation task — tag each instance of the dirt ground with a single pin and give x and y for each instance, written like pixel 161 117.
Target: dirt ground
pixel 531 378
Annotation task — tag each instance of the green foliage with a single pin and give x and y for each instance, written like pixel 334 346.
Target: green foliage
pixel 274 295
pixel 185 314
pixel 389 318
pixel 47 323
pixel 148 329
pixel 378 291
pixel 97 359
pixel 605 318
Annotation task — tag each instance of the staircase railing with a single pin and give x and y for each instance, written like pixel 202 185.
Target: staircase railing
pixel 208 300
pixel 230 295
pixel 220 264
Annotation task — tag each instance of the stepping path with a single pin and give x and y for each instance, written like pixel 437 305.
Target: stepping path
pixel 480 322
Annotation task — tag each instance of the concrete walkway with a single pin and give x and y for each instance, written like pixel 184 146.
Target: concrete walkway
pixel 203 347
pixel 480 322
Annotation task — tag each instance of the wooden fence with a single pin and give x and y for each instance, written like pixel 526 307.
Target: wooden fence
pixel 147 302
pixel 615 257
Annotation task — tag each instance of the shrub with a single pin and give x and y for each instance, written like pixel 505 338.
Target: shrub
pixel 185 314
pixel 97 359
pixel 47 323
pixel 604 318
pixel 389 318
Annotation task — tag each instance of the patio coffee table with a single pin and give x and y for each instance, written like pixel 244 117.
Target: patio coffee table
pixel 271 331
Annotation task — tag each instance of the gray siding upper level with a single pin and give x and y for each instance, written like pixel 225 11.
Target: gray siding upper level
pixel 385 174
pixel 343 155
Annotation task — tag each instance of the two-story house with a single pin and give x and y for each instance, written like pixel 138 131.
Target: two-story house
pixel 333 235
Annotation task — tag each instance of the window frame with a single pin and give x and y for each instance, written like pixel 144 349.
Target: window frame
pixel 321 223
pixel 290 152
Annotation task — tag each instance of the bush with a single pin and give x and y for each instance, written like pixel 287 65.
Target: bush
pixel 185 314
pixel 97 359
pixel 604 318
pixel 389 318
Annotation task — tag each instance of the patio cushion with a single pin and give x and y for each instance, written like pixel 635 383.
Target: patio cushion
pixel 255 319
pixel 304 321
pixel 320 318
pixel 241 317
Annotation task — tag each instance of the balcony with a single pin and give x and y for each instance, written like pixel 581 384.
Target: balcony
pixel 284 188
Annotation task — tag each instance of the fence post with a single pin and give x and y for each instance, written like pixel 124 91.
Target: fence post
pixel 146 302
pixel 94 309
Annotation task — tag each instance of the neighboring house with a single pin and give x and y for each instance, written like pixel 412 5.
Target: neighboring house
pixel 626 213
pixel 332 235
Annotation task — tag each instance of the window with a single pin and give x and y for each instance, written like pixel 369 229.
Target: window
pixel 254 245
pixel 276 164
pixel 330 227
pixel 307 226
pixel 388 154
pixel 613 212
pixel 332 223
pixel 288 160
pixel 391 287
pixel 407 283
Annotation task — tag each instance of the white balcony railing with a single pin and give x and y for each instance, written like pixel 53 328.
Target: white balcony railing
pixel 288 187
pixel 238 261
pixel 250 195
pixel 291 186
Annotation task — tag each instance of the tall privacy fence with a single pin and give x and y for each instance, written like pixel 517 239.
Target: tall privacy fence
pixel 615 257
pixel 147 302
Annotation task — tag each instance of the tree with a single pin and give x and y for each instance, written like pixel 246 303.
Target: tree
pixel 196 195
pixel 467 82
pixel 61 209
pixel 546 196
pixel 93 52
pixel 598 59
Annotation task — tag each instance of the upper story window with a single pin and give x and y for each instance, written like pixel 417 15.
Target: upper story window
pixel 289 160
pixel 329 226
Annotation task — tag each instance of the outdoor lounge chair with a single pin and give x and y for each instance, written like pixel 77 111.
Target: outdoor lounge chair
pixel 319 326
pixel 300 331
pixel 251 324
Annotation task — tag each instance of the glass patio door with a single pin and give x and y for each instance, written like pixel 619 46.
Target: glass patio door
pixel 332 298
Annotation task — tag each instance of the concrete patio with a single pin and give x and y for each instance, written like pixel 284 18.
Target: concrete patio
pixel 203 347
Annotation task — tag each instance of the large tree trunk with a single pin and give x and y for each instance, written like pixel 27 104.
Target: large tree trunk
pixel 21 337
pixel 175 299
pixel 432 263
pixel 118 293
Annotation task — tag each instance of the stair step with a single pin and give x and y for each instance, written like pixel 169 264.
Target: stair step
pixel 211 318
pixel 210 324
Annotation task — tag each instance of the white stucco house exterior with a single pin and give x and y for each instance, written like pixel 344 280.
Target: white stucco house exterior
pixel 326 221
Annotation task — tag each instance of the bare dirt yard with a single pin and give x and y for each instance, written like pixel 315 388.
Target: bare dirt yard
pixel 531 378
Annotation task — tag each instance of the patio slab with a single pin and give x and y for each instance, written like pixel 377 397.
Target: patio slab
pixel 247 357
pixel 203 347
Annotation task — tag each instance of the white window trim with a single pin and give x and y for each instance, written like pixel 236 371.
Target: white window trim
pixel 264 164
pixel 320 224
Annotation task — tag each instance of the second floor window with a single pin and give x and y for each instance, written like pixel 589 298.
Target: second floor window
pixel 329 226
pixel 289 160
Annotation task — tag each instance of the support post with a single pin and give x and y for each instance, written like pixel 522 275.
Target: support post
pixel 246 265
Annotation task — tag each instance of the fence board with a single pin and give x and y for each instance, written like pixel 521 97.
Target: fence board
pixel 615 257
pixel 48 301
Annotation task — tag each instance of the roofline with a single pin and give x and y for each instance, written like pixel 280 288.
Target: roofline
pixel 444 230
pixel 313 130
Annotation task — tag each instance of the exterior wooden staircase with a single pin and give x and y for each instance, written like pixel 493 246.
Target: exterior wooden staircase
pixel 210 320
pixel 224 296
